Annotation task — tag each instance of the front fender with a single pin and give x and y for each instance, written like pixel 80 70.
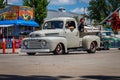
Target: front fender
pixel 87 40
pixel 54 41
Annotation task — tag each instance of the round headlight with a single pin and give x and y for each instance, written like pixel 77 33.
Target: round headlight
pixel 43 43
pixel 25 43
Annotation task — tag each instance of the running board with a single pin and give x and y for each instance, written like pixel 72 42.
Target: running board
pixel 76 49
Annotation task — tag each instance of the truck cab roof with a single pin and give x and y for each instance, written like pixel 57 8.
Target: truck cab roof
pixel 61 18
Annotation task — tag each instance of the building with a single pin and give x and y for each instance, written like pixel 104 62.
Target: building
pixel 15 20
pixel 61 12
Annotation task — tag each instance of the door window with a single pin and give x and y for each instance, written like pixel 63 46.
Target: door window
pixel 70 24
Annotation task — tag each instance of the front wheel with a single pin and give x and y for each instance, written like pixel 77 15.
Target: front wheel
pixel 92 48
pixel 59 49
pixel 31 53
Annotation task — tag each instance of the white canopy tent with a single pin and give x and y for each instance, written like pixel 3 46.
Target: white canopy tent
pixel 5 25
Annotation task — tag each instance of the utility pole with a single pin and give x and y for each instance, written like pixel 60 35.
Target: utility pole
pixel 33 9
pixel 6 3
pixel 84 12
pixel 119 13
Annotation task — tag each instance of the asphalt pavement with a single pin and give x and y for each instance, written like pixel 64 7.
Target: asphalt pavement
pixel 104 65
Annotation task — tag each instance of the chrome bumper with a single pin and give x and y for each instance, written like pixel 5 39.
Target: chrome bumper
pixel 35 50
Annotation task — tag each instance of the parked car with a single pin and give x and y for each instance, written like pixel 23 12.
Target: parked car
pixel 109 40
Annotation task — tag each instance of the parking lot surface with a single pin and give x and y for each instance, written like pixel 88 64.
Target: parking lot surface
pixel 103 65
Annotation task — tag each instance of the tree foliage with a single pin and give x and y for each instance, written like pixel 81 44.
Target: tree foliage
pixel 40 9
pixel 2 4
pixel 100 9
pixel 114 4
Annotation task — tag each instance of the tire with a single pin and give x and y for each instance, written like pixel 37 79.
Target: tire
pixel 59 50
pixel 31 53
pixel 105 46
pixel 92 48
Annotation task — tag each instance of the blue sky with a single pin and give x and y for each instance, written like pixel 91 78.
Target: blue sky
pixel 76 6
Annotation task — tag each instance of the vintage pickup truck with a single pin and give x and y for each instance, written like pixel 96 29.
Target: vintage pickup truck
pixel 59 36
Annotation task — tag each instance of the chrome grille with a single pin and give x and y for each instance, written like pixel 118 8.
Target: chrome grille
pixel 34 44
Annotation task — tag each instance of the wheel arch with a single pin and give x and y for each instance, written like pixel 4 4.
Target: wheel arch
pixel 55 41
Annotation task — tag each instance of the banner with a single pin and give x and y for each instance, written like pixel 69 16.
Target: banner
pixel 16 13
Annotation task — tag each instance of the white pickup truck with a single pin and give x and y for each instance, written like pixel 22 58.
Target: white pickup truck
pixel 59 36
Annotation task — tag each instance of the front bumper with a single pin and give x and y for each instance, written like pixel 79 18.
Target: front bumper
pixel 35 50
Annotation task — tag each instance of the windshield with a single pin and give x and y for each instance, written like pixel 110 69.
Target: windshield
pixel 53 25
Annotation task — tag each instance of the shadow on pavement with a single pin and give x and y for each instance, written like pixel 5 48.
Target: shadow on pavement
pixel 17 77
pixel 100 77
pixel 51 54
pixel 88 77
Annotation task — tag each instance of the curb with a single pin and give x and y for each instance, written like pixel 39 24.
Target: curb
pixel 10 53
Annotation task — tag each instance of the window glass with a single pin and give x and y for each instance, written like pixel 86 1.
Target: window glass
pixel 53 25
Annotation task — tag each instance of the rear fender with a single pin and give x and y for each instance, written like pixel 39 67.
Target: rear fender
pixel 87 40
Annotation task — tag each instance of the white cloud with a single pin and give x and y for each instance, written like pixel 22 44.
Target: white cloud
pixel 62 2
pixel 79 10
pixel 84 1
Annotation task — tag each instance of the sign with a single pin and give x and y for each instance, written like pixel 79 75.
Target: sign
pixel 26 13
pixel 9 13
pixel 16 13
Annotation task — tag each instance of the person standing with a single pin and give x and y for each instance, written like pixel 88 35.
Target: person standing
pixel 81 25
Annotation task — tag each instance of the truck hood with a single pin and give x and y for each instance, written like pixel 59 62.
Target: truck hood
pixel 42 33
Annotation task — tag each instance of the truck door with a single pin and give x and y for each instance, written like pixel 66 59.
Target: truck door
pixel 72 34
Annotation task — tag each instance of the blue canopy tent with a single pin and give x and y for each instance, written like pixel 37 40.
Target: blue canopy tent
pixel 19 22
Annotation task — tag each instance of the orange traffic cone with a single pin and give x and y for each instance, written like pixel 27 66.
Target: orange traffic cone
pixel 3 45
pixel 13 45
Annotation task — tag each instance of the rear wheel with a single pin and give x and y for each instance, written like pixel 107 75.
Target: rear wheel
pixel 92 48
pixel 31 53
pixel 59 49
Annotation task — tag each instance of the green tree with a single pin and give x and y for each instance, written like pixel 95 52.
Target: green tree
pixel 2 4
pixel 40 9
pixel 100 9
